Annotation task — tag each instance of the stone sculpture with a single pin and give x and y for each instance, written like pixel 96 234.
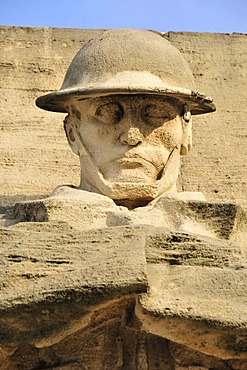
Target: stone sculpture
pixel 129 114
pixel 123 272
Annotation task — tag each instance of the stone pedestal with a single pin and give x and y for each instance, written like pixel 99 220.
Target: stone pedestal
pixel 126 294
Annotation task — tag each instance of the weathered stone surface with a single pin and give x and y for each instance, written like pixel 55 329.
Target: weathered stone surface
pixel 93 349
pixel 34 62
pixel 51 279
pixel 216 166
pixel 187 359
pixel 129 114
pixel 183 249
pixel 190 276
pixel 197 285
pixel 219 220
pixel 208 303
pixel 185 212
pixel 72 268
pixel 63 328
pixel 197 282
pixel 28 60
pixel 79 209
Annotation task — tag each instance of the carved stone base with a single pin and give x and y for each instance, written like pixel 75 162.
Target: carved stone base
pixel 123 295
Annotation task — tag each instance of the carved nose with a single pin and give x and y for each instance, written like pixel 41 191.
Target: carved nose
pixel 132 136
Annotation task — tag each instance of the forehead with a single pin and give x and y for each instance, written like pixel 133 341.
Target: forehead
pixel 136 101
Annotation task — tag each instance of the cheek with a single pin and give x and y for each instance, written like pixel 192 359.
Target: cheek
pixel 93 134
pixel 167 139
pixel 102 131
pixel 168 135
pixel 99 141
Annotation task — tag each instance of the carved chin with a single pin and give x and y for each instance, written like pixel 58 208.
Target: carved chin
pixel 138 185
pixel 139 179
pixel 131 180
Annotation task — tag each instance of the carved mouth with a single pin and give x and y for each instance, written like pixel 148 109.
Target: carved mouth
pixel 135 168
pixel 132 163
pixel 138 163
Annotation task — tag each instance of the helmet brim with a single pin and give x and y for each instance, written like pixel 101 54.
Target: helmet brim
pixel 58 101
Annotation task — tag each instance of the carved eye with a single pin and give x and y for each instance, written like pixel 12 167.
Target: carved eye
pixel 110 113
pixel 154 115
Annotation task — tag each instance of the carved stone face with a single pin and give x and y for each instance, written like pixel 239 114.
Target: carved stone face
pixel 129 145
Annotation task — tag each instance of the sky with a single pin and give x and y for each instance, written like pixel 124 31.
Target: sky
pixel 224 16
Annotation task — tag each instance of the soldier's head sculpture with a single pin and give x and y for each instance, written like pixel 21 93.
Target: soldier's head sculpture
pixel 129 97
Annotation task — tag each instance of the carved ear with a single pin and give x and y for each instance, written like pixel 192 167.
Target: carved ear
pixel 186 141
pixel 70 134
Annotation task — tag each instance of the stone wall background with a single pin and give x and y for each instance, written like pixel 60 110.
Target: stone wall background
pixel 35 156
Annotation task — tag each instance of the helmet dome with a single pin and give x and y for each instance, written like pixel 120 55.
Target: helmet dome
pixel 128 61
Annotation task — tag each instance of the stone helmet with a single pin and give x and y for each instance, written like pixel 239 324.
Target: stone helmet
pixel 128 61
